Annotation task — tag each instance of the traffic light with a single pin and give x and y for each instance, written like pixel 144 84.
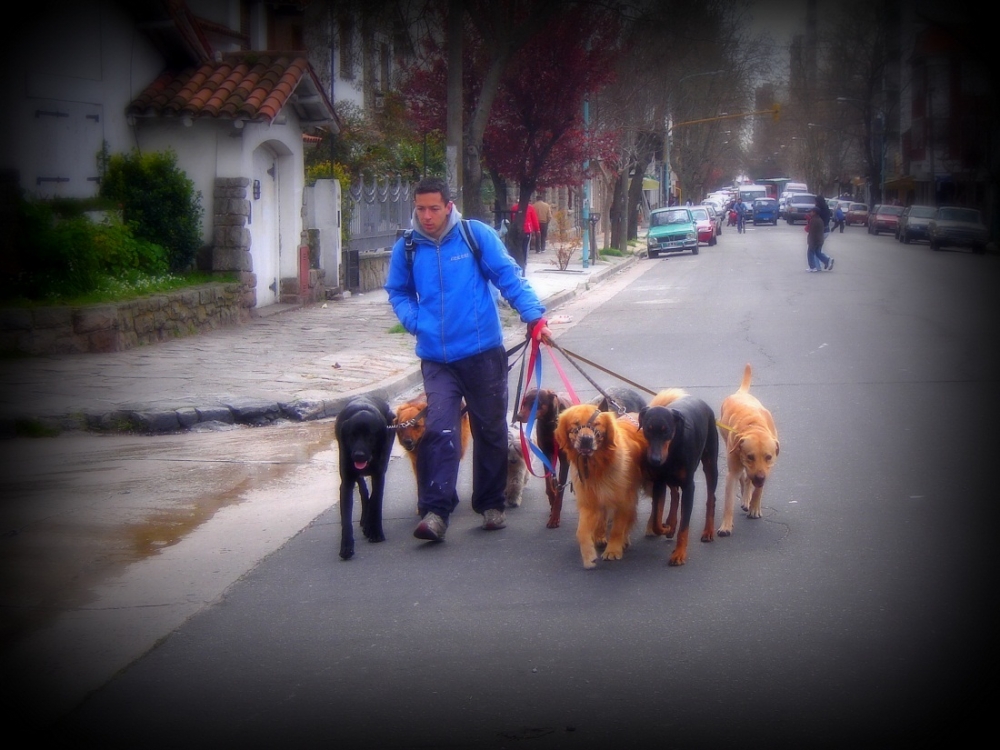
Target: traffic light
pixel 776 111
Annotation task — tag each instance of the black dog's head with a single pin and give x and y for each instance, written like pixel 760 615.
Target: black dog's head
pixel 659 425
pixel 361 430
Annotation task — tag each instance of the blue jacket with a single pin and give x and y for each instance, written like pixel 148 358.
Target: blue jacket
pixel 447 302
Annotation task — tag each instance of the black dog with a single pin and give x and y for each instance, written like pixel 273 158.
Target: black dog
pixel 626 398
pixel 365 440
pixel 680 430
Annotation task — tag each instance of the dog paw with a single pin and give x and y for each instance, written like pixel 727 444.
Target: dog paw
pixel 589 564
pixel 708 536
pixel 346 553
pixel 375 538
pixel 553 522
pixel 677 559
pixel 725 532
pixel 754 514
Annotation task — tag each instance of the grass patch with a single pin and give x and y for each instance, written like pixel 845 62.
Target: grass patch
pixel 32 428
pixel 122 289
pixel 398 328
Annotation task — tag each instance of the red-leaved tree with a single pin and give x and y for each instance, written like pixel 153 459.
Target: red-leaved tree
pixel 537 136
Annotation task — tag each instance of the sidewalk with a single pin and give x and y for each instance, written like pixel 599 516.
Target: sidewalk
pixel 292 362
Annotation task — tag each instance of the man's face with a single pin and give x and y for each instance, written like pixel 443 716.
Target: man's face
pixel 432 213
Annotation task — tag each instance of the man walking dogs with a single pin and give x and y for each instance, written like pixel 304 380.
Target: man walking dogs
pixel 441 293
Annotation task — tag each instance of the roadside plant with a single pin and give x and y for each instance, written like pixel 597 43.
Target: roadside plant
pixel 158 202
pixel 566 243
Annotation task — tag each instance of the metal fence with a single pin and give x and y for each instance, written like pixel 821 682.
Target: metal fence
pixel 377 209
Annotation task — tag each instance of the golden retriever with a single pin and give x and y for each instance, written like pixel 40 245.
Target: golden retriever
pixel 605 453
pixel 751 440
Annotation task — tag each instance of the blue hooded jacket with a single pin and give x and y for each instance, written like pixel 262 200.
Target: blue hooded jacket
pixel 447 302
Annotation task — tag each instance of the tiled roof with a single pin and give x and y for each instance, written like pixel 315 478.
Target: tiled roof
pixel 253 86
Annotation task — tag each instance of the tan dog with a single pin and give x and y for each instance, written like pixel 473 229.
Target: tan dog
pixel 410 415
pixel 751 439
pixel 605 453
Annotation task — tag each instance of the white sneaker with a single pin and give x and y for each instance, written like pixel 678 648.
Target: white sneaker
pixel 494 519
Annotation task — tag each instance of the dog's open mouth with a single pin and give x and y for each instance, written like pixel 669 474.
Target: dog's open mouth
pixel 360 465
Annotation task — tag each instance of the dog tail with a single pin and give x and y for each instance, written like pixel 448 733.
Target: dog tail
pixel 667 396
pixel 745 385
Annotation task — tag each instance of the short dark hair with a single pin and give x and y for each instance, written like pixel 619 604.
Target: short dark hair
pixel 433 185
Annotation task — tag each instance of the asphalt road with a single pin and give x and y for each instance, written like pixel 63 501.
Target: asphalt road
pixel 852 614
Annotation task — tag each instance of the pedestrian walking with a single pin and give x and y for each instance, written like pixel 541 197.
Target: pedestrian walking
pixel 531 227
pixel 815 257
pixel 839 218
pixel 439 285
pixel 544 212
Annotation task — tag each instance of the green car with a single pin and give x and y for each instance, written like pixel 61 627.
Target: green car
pixel 671 230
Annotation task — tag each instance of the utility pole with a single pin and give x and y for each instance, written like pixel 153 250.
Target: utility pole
pixel 453 148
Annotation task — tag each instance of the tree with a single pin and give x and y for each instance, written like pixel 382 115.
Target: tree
pixel 537 136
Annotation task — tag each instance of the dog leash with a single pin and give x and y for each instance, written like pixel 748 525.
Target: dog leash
pixel 571 356
pixel 527 446
pixel 415 419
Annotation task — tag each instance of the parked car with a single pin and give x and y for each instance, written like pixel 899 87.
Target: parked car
pixel 671 230
pixel 914 222
pixel 715 202
pixel 856 214
pixel 765 211
pixel 716 214
pixel 798 207
pixel 703 221
pixel 953 226
pixel 884 219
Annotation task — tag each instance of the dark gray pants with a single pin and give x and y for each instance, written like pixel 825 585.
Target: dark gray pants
pixel 481 380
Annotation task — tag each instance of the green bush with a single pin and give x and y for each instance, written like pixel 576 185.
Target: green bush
pixel 62 254
pixel 158 202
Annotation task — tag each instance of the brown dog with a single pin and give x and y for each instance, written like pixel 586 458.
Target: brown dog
pixel 751 440
pixel 411 422
pixel 550 406
pixel 605 452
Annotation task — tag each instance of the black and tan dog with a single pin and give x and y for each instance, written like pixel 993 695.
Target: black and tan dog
pixel 550 406
pixel 681 433
pixel 365 442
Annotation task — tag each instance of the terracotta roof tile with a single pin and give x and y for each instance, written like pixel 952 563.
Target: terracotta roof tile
pixel 248 85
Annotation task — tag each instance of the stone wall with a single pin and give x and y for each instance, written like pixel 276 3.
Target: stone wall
pixel 120 326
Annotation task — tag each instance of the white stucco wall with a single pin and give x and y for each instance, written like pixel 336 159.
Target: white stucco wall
pixel 83 61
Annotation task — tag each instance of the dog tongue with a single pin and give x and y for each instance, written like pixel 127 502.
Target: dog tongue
pixel 359 465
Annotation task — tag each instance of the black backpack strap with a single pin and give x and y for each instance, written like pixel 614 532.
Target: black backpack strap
pixel 470 239
pixel 409 246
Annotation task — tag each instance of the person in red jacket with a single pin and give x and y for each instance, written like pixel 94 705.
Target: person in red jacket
pixel 531 226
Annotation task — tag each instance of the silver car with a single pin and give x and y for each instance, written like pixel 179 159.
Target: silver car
pixel 914 223
pixel 954 226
